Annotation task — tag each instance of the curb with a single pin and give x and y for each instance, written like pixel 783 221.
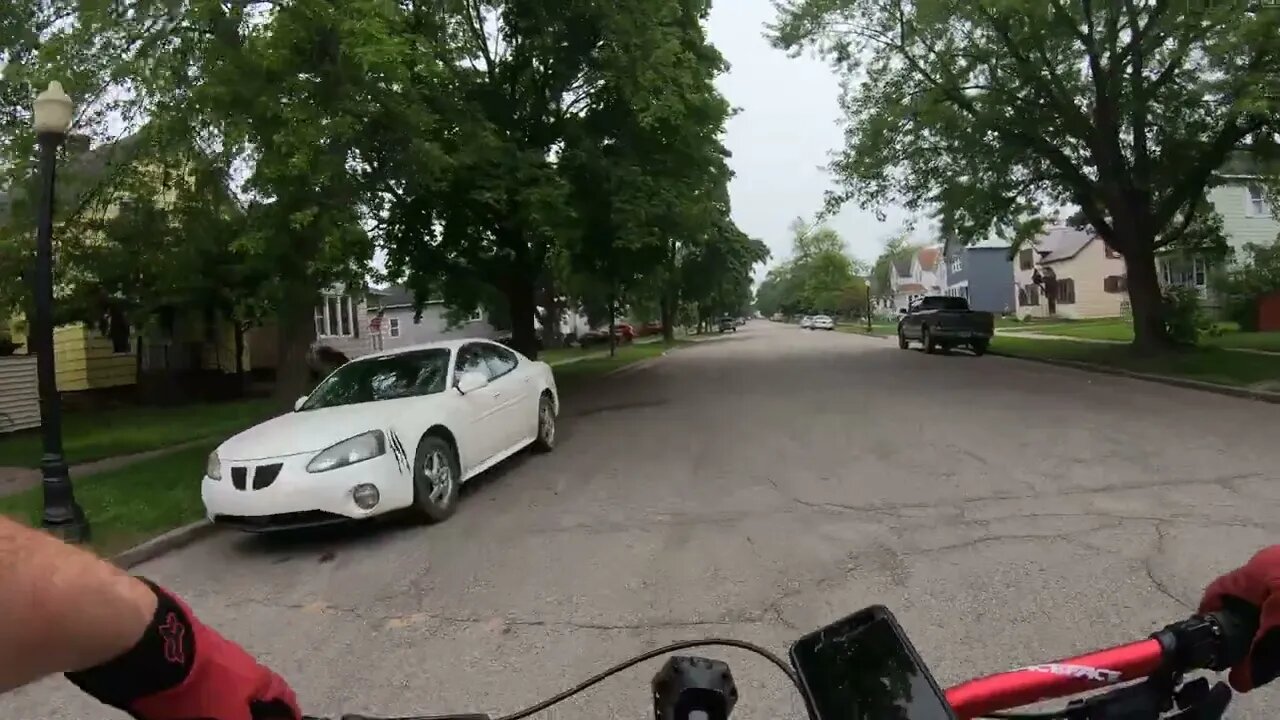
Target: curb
pixel 635 366
pixel 161 544
pixel 1259 395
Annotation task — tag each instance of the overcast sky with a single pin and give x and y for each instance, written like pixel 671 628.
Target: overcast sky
pixel 781 140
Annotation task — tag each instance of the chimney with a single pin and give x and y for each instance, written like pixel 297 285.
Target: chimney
pixel 77 145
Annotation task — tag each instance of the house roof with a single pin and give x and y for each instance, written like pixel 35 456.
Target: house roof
pixel 902 265
pixel 395 296
pixel 909 288
pixel 1061 243
pixel 928 257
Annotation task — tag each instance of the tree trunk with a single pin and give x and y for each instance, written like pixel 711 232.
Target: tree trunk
pixel 295 333
pixel 522 306
pixel 1146 301
pixel 667 311
pixel 613 332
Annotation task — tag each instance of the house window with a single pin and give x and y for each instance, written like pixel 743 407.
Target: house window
pixel 1066 291
pixel 335 317
pixel 956 264
pixel 476 316
pixel 1111 253
pixel 1115 284
pixel 1029 295
pixel 1257 201
pixel 1026 260
pixel 393 327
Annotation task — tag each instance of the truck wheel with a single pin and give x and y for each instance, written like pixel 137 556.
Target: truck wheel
pixel 926 338
pixel 979 347
pixel 902 340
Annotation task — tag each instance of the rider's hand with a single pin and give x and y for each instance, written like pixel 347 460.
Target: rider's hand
pixel 181 669
pixel 1258 585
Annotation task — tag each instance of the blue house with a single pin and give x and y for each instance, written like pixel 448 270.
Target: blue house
pixel 982 274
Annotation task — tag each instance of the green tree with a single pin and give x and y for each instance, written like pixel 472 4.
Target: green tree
pixel 982 111
pixel 896 250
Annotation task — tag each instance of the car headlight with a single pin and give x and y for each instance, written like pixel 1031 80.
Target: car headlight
pixel 364 446
pixel 213 467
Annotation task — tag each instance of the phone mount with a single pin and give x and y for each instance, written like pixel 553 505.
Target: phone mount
pixel 693 688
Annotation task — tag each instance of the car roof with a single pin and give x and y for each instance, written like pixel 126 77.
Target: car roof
pixel 450 345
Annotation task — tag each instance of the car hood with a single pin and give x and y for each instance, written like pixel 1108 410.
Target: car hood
pixel 304 432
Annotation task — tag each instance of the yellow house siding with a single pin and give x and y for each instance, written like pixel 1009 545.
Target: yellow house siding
pixel 107 368
pixel 19 396
pixel 1088 269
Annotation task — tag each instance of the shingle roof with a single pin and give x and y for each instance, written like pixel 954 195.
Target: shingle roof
pixel 902 265
pixel 929 257
pixel 395 296
pixel 1061 243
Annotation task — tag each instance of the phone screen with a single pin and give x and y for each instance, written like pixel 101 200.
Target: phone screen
pixel 864 668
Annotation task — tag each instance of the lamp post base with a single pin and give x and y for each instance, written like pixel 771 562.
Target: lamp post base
pixel 63 517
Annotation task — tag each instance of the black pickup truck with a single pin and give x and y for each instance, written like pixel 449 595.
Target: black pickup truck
pixel 945 322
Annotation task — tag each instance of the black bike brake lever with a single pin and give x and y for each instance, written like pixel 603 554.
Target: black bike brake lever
pixel 1197 701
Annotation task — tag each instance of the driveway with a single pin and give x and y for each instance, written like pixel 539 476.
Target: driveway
pixel 1008 512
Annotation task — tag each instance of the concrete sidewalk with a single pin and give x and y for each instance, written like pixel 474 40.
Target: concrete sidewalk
pixel 14 480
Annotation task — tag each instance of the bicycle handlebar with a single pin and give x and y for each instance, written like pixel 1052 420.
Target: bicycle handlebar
pixel 1215 641
pixel 1209 642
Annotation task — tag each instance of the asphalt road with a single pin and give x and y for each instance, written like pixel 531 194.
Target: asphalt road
pixel 1008 512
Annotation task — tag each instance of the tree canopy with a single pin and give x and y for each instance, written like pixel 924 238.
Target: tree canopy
pixel 500 154
pixel 995 114
pixel 819 276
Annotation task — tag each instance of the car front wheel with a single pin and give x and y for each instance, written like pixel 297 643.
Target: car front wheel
pixel 902 340
pixel 979 347
pixel 436 477
pixel 546 439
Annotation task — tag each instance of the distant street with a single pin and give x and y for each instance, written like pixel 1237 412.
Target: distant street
pixel 758 487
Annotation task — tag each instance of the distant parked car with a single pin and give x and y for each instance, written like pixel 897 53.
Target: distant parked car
pixel 806 322
pixel 653 327
pixel 946 322
pixel 822 322
pixel 727 324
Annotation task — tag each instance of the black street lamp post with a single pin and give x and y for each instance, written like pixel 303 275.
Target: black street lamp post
pixel 62 516
pixel 868 307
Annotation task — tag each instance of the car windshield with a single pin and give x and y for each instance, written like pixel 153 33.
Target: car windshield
pixel 421 372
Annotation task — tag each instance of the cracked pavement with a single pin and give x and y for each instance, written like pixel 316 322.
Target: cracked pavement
pixel 1008 512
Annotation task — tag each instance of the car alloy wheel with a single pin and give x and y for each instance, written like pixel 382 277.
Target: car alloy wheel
pixel 438 472
pixel 546 439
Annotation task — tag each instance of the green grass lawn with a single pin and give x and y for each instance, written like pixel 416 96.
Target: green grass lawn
pixel 131 504
pixel 627 354
pixel 1121 330
pixel 1208 364
pixel 121 431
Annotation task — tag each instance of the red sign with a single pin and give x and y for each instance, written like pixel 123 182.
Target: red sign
pixel 375 324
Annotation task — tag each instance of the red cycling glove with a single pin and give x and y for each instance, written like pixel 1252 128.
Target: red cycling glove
pixel 180 669
pixel 1257 584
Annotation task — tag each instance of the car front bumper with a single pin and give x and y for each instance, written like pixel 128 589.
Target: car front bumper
pixel 250 499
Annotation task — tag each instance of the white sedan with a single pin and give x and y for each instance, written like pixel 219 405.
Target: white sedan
pixel 395 430
pixel 822 322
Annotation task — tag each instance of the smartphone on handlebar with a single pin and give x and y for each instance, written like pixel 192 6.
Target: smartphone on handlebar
pixel 863 668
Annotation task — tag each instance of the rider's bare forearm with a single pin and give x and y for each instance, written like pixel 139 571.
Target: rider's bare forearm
pixel 61 608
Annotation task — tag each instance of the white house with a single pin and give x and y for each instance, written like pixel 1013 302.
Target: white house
pixel 1248 216
pixel 918 279
pixel 392 321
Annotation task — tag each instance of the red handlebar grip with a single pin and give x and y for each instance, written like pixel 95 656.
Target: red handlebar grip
pixel 1016 688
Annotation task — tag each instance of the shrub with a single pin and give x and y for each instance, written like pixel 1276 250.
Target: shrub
pixel 1184 318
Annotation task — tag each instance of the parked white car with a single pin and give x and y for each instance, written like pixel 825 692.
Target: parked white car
pixel 823 322
pixel 395 430
pixel 806 322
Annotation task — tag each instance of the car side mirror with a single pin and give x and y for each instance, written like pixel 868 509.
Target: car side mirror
pixel 297 404
pixel 471 381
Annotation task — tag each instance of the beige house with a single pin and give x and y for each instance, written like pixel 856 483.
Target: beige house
pixel 1091 277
